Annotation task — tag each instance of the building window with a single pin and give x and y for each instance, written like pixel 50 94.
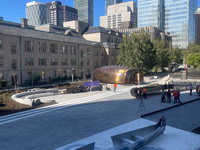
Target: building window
pixel 14 64
pixel 54 62
pixel 88 62
pixel 64 49
pixel 96 52
pixel 111 53
pixel 64 73
pixel 13 49
pixel 73 62
pixel 97 62
pixel 53 48
pixel 101 53
pixel 29 74
pixel 29 46
pixel 88 51
pixel 81 53
pixel 41 47
pixel 42 61
pixel 73 50
pixel 29 61
pixel 1 61
pixel 102 62
pixel 64 62
pixel 1 44
pixel 54 74
pixel 88 72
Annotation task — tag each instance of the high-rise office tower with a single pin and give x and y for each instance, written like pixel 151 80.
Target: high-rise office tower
pixel 55 13
pixel 36 13
pixel 85 11
pixel 175 17
pixel 123 15
pixel 111 2
pixel 197 26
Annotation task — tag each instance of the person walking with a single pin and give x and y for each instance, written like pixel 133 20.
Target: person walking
pixel 163 100
pixel 145 93
pixel 175 94
pixel 190 89
pixel 168 96
pixel 179 96
pixel 114 87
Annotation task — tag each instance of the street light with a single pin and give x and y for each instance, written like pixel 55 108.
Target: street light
pixel 72 75
pixel 81 61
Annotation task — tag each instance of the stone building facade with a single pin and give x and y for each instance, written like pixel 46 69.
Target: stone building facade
pixel 153 31
pixel 120 15
pixel 26 52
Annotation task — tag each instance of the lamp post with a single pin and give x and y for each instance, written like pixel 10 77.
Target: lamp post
pixel 59 71
pixel 81 62
pixel 72 75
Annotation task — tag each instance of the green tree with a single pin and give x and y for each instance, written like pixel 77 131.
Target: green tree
pixel 193 59
pixel 191 49
pixel 137 51
pixel 162 53
pixel 175 54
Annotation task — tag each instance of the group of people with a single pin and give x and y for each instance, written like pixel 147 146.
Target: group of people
pixel 141 93
pixel 176 95
pixel 198 90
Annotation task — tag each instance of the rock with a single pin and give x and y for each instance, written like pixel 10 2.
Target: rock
pixel 36 102
pixel 82 88
pixel 96 88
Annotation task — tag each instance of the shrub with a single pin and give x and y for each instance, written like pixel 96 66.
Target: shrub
pixel 3 83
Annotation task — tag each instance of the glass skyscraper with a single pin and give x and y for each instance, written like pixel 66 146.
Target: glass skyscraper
pixel 36 13
pixel 173 16
pixel 85 11
pixel 111 2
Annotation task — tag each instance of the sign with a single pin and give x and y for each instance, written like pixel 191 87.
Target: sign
pixel 89 84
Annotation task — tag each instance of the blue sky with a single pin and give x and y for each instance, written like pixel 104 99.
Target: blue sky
pixel 14 10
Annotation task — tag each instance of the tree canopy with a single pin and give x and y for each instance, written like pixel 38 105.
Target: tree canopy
pixel 138 51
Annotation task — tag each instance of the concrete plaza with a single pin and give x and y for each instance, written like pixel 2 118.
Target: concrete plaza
pixel 80 116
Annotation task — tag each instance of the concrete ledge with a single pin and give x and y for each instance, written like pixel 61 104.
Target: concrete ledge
pixel 154 112
pixel 32 98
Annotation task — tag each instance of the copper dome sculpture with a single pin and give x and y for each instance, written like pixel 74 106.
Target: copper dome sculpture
pixel 118 74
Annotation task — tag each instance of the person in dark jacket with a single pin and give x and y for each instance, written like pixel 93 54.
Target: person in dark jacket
pixel 163 100
pixel 145 93
pixel 190 89
pixel 169 96
pixel 197 89
pixel 136 93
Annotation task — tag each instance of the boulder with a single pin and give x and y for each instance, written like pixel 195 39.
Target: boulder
pixel 96 88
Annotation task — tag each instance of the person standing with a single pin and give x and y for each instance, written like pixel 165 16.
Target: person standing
pixel 114 87
pixel 140 93
pixel 136 93
pixel 168 96
pixel 175 94
pixel 179 96
pixel 190 89
pixel 145 93
pixel 197 89
pixel 163 100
